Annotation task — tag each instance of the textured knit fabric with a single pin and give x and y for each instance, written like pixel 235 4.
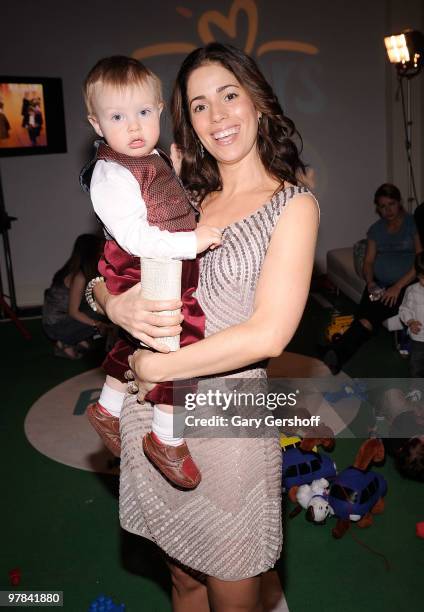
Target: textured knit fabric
pixel 230 525
pixel 110 183
pixel 168 208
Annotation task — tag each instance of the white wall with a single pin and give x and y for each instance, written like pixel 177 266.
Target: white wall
pixel 338 98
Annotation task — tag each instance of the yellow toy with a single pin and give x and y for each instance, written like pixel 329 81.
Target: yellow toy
pixel 337 327
pixel 287 442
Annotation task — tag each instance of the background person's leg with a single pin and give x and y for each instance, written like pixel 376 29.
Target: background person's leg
pixel 416 364
pixel 369 317
pixel 377 312
pixel 71 331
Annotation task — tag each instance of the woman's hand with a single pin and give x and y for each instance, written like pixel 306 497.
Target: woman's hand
pixel 139 317
pixel 391 295
pixel 139 364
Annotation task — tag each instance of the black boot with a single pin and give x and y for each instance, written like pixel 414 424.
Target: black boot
pixel 339 352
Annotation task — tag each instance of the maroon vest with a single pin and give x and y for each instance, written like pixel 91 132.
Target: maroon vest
pixel 168 208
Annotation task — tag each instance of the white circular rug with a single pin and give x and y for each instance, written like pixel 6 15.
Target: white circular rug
pixel 56 425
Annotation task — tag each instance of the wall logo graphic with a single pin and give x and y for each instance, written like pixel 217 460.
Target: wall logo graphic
pixel 57 427
pixel 212 20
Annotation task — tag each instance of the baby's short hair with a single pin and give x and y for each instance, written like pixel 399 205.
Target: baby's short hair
pixel 419 264
pixel 119 71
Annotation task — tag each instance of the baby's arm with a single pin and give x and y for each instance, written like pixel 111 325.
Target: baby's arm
pixel 118 203
pixel 407 312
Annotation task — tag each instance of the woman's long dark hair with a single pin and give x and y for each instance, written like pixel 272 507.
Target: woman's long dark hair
pixel 85 256
pixel 277 149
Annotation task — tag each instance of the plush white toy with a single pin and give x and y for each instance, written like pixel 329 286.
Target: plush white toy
pixel 314 499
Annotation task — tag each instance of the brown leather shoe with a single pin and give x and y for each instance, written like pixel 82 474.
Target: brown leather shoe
pixel 107 426
pixel 174 462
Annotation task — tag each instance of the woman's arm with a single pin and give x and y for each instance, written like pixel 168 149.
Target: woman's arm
pixel 368 267
pixel 138 316
pixel 76 292
pixel 392 293
pixel 279 303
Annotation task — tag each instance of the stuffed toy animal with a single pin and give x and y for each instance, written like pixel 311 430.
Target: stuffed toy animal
pixel 314 499
pixel 302 464
pixel 354 495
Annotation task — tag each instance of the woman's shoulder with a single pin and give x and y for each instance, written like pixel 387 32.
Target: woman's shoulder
pixel 410 221
pixel 290 193
pixel 292 206
pixel 376 229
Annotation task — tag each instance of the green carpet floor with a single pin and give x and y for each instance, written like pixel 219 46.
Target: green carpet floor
pixel 60 525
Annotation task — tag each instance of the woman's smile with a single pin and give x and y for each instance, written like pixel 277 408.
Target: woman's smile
pixel 226 136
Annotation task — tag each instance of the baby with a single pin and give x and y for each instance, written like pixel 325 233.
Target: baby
pixel 146 213
pixel 411 312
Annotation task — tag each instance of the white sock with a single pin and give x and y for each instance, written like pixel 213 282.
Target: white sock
pixel 112 400
pixel 164 426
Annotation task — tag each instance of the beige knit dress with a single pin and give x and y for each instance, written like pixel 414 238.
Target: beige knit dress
pixel 230 525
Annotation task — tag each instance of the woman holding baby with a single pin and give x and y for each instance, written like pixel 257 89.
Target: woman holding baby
pixel 243 170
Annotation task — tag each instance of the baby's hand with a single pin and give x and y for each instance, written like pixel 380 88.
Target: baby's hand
pixel 414 326
pixel 207 237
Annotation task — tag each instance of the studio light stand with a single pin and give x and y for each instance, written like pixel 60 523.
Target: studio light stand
pixel 406 51
pixel 407 126
pixel 7 311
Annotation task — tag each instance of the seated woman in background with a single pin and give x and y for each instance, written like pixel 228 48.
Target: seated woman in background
pixel 392 243
pixel 67 319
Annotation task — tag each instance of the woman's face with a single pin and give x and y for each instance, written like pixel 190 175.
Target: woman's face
pixel 388 208
pixel 222 113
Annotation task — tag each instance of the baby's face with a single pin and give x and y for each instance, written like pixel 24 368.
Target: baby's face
pixel 128 118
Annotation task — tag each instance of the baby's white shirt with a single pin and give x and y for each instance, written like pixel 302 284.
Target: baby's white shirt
pixel 117 201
